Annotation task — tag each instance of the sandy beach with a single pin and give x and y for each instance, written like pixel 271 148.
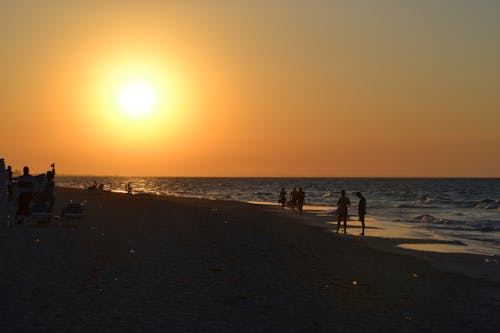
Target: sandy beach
pixel 146 263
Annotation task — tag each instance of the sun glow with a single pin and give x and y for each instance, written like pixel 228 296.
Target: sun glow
pixel 137 98
pixel 139 102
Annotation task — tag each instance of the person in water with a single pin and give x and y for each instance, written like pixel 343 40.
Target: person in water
pixel 361 211
pixel 282 199
pixel 342 207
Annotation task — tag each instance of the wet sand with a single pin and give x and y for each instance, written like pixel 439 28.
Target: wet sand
pixel 154 264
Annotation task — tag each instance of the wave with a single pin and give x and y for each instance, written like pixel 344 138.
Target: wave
pixel 407 206
pixel 488 204
pixel 424 198
pixel 264 194
pixel 427 218
pixel 440 223
pixel 415 206
pixel 428 202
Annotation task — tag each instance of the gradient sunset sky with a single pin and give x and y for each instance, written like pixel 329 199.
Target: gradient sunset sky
pixel 252 88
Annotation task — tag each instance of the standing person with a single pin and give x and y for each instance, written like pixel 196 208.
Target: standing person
pixel 25 183
pixel 128 188
pixel 8 171
pixel 282 199
pixel 49 189
pixel 301 196
pixel 342 207
pixel 293 198
pixel 362 211
pixel 53 166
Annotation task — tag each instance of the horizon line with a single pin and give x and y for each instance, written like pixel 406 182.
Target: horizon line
pixel 212 176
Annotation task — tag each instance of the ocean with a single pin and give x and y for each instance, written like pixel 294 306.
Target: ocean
pixel 462 209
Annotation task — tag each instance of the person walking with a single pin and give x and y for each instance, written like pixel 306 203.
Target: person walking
pixel 361 211
pixel 342 207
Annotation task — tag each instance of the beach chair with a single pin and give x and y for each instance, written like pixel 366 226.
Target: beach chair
pixel 73 212
pixel 39 213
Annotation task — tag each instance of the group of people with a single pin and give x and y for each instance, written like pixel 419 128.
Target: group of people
pixel 39 190
pixel 296 199
pixel 95 187
pixel 343 205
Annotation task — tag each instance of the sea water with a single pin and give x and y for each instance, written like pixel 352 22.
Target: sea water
pixel 464 209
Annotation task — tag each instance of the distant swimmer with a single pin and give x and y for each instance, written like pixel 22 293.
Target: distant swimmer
pixel 342 207
pixel 282 199
pixel 361 211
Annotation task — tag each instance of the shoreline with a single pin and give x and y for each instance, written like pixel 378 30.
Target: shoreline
pixel 417 237
pixel 412 224
pixel 156 263
pixel 415 234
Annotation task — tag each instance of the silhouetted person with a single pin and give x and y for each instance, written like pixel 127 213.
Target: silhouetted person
pixel 342 206
pixel 93 187
pixel 128 188
pixel 9 173
pixel 49 189
pixel 282 199
pixel 301 196
pixel 362 211
pixel 293 198
pixel 25 184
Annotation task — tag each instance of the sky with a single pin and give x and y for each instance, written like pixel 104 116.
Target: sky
pixel 251 88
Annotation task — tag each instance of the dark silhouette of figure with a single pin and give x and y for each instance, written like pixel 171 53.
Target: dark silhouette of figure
pixel 282 199
pixel 128 188
pixel 49 189
pixel 9 173
pixel 293 198
pixel 26 185
pixel 342 207
pixel 93 187
pixel 301 196
pixel 361 211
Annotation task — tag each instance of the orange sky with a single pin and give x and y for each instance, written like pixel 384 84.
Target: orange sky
pixel 266 88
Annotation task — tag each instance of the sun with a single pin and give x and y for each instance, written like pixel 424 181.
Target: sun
pixel 137 98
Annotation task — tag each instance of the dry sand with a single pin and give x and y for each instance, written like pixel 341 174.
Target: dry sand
pixel 158 264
